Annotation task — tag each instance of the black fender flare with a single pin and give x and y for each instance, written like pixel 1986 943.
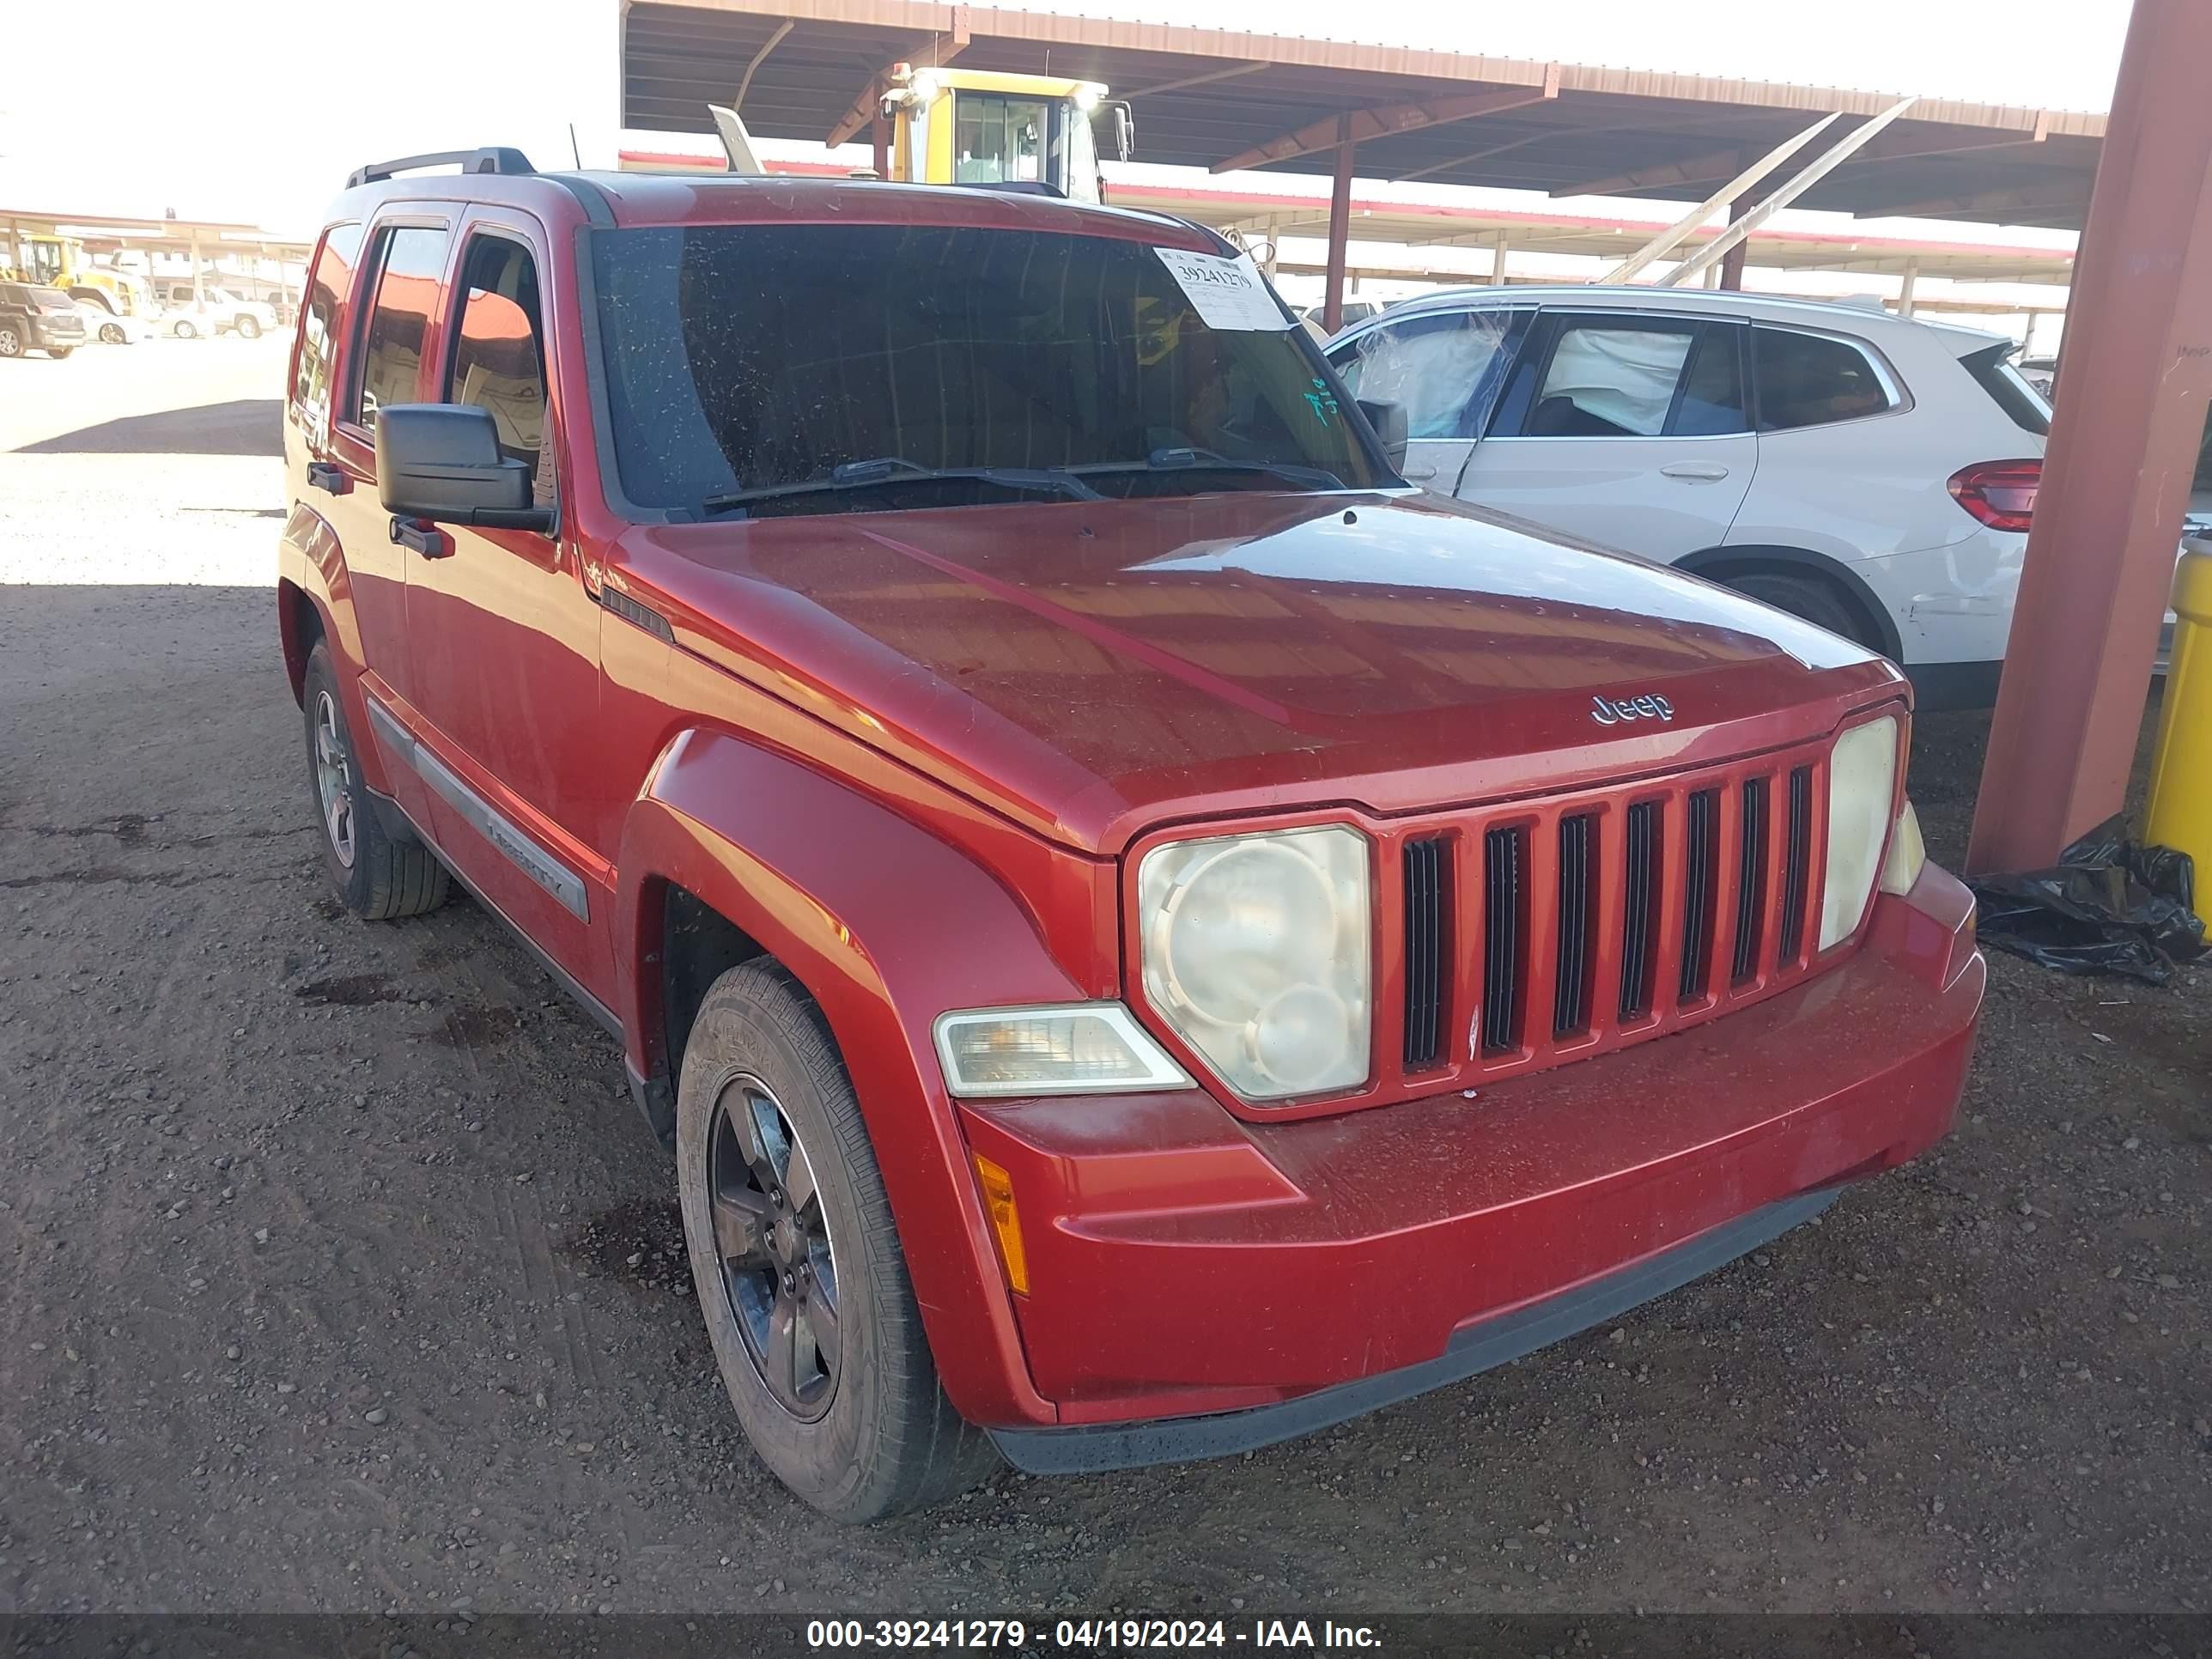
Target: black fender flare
pixel 1714 563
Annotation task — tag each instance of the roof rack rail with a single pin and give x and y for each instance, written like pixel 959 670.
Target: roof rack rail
pixel 492 160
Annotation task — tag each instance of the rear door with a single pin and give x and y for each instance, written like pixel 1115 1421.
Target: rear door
pixel 1443 368
pixel 1625 428
pixel 393 346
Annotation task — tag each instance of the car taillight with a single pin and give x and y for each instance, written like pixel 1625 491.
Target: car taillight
pixel 2001 494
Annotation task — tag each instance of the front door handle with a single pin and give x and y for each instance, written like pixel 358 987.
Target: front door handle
pixel 331 480
pixel 1695 471
pixel 423 536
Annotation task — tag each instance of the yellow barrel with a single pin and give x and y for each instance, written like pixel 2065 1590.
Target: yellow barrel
pixel 2181 768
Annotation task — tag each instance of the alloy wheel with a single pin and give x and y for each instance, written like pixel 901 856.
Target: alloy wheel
pixel 772 1247
pixel 333 780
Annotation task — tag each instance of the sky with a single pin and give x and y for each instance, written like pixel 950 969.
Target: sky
pixel 256 113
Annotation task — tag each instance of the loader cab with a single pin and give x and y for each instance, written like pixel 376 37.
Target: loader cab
pixel 1016 132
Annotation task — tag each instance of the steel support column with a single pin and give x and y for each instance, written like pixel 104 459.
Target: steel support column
pixel 1732 266
pixel 1501 245
pixel 2123 448
pixel 1905 289
pixel 1340 229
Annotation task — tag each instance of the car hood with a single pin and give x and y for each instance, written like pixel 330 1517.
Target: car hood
pixel 1092 669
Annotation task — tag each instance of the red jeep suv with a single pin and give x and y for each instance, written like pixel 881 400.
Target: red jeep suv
pixel 1146 934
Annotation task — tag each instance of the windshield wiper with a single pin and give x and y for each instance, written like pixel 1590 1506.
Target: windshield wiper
pixel 895 469
pixel 1182 458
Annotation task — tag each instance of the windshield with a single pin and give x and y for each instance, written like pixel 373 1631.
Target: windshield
pixel 748 358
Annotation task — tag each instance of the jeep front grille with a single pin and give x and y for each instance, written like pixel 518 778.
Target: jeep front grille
pixel 1640 898
pixel 1425 947
pixel 1536 932
pixel 1504 902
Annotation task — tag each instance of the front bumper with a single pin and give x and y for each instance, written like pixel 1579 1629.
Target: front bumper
pixel 1200 1284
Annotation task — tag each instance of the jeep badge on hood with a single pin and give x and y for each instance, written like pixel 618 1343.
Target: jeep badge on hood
pixel 1609 711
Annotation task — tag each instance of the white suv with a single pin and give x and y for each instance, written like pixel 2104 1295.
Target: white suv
pixel 218 311
pixel 1870 474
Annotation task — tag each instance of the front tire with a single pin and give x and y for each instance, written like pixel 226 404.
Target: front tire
pixel 248 328
pixel 797 1262
pixel 377 877
pixel 184 331
pixel 112 334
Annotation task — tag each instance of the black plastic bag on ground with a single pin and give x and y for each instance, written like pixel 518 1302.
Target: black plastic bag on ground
pixel 2109 905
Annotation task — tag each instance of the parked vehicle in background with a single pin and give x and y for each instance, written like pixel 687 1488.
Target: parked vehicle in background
pixel 113 328
pixel 1355 311
pixel 213 311
pixel 2041 373
pixel 1866 472
pixel 1146 935
pixel 60 262
pixel 36 318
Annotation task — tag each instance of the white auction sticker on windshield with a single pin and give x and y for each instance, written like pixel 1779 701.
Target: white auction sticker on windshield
pixel 1227 293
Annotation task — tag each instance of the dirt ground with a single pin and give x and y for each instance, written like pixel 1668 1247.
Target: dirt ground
pixel 337 1272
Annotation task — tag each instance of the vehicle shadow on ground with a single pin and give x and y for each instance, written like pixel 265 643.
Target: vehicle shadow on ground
pixel 244 426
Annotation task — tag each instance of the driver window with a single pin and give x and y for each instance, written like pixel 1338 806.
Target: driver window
pixel 499 359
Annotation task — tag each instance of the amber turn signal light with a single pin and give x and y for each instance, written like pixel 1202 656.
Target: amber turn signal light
pixel 1005 1221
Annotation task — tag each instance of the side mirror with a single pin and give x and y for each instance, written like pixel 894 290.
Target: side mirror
pixel 1388 421
pixel 442 462
pixel 1125 133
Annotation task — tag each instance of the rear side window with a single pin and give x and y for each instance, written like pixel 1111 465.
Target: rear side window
pixel 1810 380
pixel 499 357
pixel 409 261
pixel 1610 382
pixel 322 322
pixel 1440 370
pixel 1993 371
pixel 1636 377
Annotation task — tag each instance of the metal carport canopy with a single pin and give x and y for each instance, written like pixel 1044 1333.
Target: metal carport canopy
pixel 1216 99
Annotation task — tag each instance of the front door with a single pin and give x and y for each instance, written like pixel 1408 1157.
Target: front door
pixel 1626 430
pixel 503 636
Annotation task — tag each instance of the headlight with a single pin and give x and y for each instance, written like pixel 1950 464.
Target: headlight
pixel 1084 1048
pixel 1256 950
pixel 1862 788
pixel 1908 854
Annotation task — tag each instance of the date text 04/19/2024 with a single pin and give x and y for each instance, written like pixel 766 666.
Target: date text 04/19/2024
pixel 1086 1635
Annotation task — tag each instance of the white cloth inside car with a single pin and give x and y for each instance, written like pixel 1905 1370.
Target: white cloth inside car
pixel 1625 378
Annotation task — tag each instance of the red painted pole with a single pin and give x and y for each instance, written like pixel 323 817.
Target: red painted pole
pixel 1340 229
pixel 2116 477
